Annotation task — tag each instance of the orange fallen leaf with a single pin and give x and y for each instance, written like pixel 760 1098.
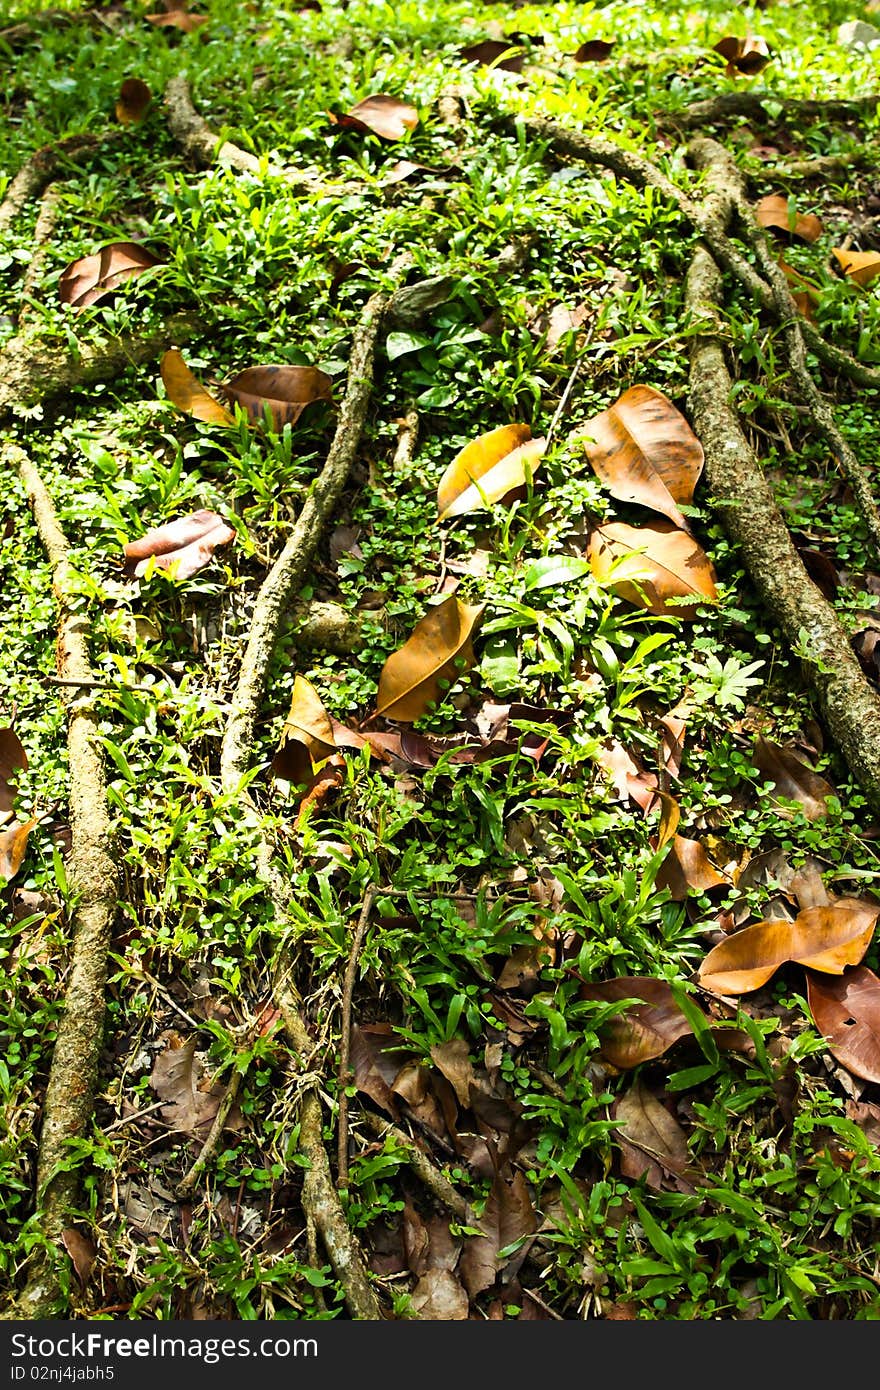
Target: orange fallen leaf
pixel 487 469
pixel 650 566
pixel 774 212
pixel 860 266
pixel 439 648
pixel 187 392
pixel 13 845
pixel 827 938
pixel 688 869
pixel 644 451
pixel 307 737
pixel 382 115
pixel 284 391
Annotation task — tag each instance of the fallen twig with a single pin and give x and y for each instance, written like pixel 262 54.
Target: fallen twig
pixel 194 1172
pixel 94 879
pixel 750 106
pixel 429 1175
pixel 345 1034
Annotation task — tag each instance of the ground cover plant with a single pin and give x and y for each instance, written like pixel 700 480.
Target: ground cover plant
pixel 439 726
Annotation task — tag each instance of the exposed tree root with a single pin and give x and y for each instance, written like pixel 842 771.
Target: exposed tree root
pixel 43 232
pixel 430 1177
pixel 729 183
pixel 47 164
pixel 360 932
pixel 35 368
pixel 331 627
pixel 320 1198
pixel 824 166
pixel 643 174
pixel 734 106
pixel 94 878
pixel 745 503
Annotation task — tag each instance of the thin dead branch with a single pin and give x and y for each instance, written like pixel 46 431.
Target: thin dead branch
pixel 209 1148
pixel 428 1174
pixel 345 1034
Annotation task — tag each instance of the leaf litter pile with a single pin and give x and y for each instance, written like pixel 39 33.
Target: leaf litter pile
pixel 576 895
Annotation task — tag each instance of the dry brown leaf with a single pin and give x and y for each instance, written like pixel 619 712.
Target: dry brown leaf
pixel 454 1062
pixel 847 1014
pixel 187 392
pixel 13 760
pixel 651 565
pixel 440 646
pixel 499 53
pixel 375 1064
pixel 792 779
pixel 187 544
pixel 773 212
pixel 860 266
pixel 133 101
pixel 487 469
pixel 672 743
pixel 382 115
pixel 508 1216
pixel 92 278
pixel 652 1142
pixel 13 846
pixel 439 1296
pixel 178 19
pixel 688 869
pixel 82 1252
pixel 804 293
pixel 593 51
pixel 644 451
pixel 630 781
pixel 748 55
pixel 825 938
pixel 307 737
pixel 284 391
pixel 177 1078
pixel 643 1031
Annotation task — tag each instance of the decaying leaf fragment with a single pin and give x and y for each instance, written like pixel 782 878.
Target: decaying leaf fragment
pixel 92 278
pixel 178 1079
pixel 792 779
pixel 860 266
pixel 652 565
pixel 507 1217
pixel 847 1013
pixel 13 846
pixel 487 469
pixel 133 101
pixel 439 648
pixel 13 759
pixel 774 212
pixel 647 1028
pixel 644 451
pixel 307 737
pixel 827 938
pixel 748 55
pixel 187 544
pixel 382 115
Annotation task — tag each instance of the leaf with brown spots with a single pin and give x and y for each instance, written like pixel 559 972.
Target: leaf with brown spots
pixel 644 451
pixel 826 938
pixel 847 1014
pixel 653 567
pixel 439 648
pixel 92 278
pixel 775 214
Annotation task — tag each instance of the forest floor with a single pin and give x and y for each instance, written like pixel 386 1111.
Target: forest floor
pixel 431 986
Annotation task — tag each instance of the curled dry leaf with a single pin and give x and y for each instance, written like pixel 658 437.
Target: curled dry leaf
pixel 825 938
pixel 860 266
pixel 488 469
pixel 847 1014
pixel 647 1028
pixel 178 19
pixel 440 646
pixel 792 779
pixel 774 213
pixel 283 391
pixel 133 101
pixel 593 51
pixel 82 1253
pixel 307 737
pixel 92 278
pixel 748 55
pixel 187 392
pixel 804 293
pixel 653 567
pixel 187 544
pixel 13 759
pixel 382 115
pixel 13 845
pixel 688 869
pixel 644 451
